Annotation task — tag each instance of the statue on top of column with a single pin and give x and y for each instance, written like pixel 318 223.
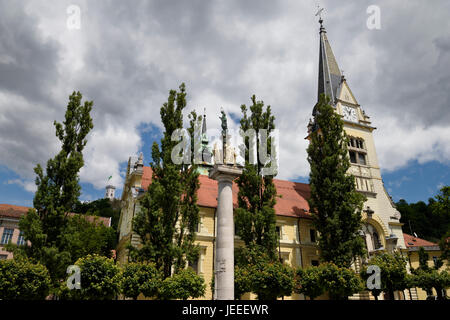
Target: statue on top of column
pixel 223 118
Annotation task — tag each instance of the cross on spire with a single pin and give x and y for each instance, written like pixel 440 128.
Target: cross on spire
pixel 319 13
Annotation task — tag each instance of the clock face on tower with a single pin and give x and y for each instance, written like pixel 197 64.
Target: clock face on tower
pixel 349 113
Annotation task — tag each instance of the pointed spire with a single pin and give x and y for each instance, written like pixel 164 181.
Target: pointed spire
pixel 206 150
pixel 330 76
pixel 204 124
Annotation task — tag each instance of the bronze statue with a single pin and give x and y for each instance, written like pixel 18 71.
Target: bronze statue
pixel 224 122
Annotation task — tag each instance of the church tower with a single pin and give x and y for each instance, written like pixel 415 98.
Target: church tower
pixel 381 225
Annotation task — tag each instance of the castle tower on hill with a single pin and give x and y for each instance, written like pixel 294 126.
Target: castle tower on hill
pixel 381 220
pixel 110 192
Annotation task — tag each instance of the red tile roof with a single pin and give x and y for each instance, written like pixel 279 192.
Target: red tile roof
pixel 411 241
pixel 292 203
pixel 12 211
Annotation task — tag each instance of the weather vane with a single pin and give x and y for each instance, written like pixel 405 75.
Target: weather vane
pixel 319 12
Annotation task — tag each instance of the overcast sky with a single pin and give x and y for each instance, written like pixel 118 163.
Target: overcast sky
pixel 127 55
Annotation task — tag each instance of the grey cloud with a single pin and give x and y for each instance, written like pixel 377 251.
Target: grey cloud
pixel 133 53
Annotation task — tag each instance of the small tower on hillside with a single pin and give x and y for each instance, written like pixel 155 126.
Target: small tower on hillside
pixel 110 192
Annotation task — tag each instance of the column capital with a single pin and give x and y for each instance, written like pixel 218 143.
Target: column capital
pixel 222 172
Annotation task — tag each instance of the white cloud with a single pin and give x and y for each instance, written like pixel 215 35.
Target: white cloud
pixel 29 186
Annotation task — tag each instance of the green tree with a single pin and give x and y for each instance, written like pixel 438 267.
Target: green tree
pixel 140 278
pixel 58 190
pixel 24 280
pixel 101 208
pixel 427 280
pixel 171 198
pixel 339 282
pixel 308 282
pixel 257 272
pixel 255 217
pixel 430 221
pixel 183 285
pixel 242 281
pixel 393 273
pixel 334 201
pixel 100 280
pixel 82 237
pixel 272 280
pixel 423 259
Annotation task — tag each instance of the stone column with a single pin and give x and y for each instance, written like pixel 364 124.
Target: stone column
pixel 224 262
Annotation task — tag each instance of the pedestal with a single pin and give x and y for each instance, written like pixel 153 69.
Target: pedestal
pixel 224 260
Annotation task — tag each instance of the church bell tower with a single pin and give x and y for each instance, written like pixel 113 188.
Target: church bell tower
pixel 381 225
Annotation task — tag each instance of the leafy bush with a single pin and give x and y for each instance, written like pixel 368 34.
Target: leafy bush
pixel 339 282
pixel 427 280
pixel 100 280
pixel 140 278
pixel 307 281
pixel 256 272
pixel 393 273
pixel 183 285
pixel 23 280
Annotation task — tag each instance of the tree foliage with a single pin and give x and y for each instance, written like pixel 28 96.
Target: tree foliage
pixel 255 217
pixel 82 237
pixel 183 285
pixel 101 208
pixel 427 280
pixel 393 273
pixel 171 198
pixel 23 280
pixel 430 221
pixel 58 190
pixel 140 278
pixel 339 282
pixel 308 282
pixel 100 280
pixel 334 201
pixel 257 272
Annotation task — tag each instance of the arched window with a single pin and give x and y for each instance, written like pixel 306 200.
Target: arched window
pixel 376 240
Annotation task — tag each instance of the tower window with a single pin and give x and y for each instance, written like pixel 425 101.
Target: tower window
pixel 376 240
pixel 357 151
pixel 352 156
pixel 312 235
pixel 362 158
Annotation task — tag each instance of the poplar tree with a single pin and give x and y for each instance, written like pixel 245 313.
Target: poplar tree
pixel 58 190
pixel 255 217
pixel 168 218
pixel 335 204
